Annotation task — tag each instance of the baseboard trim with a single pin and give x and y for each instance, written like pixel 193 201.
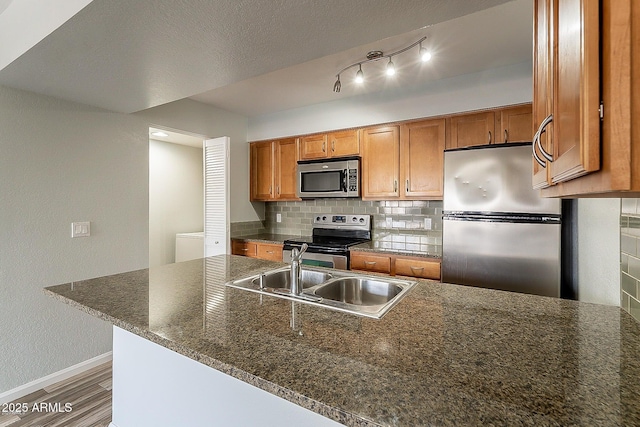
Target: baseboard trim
pixel 23 390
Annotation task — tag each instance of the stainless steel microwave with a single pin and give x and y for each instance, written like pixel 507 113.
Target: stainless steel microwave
pixel 329 178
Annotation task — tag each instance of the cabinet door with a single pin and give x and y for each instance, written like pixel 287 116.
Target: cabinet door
pixel 313 147
pixel 426 269
pixel 286 165
pixel 576 96
pixel 261 171
pixel 343 143
pixel 421 159
pixel 472 129
pixel 514 125
pixel 367 262
pixel 268 251
pixel 380 163
pixel 542 86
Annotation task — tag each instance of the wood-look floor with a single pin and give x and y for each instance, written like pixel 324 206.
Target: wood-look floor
pixel 88 399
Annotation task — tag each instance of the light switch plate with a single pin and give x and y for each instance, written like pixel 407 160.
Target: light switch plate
pixel 81 229
pixel 427 223
pixel 278 217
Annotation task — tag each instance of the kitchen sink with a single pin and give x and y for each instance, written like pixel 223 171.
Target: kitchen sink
pixel 360 294
pixel 359 291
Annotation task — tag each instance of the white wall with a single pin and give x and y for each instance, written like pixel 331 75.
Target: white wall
pixel 502 86
pixel 599 251
pixel 196 117
pixel 176 201
pixel 62 162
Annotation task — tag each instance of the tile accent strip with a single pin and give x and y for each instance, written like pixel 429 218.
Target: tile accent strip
pixel 630 256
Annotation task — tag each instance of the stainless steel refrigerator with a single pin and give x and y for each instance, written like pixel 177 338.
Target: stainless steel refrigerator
pixel 497 231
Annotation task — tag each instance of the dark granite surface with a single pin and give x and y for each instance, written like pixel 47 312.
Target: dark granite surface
pixel 445 355
pixel 266 238
pixel 372 247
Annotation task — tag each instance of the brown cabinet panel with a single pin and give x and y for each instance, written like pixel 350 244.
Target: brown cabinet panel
pixel 415 267
pixel 468 130
pixel 343 143
pixel 369 262
pixel 313 147
pixel 286 161
pixel 269 251
pixel 261 175
pixel 422 159
pixel 380 163
pixel 243 248
pixel 514 124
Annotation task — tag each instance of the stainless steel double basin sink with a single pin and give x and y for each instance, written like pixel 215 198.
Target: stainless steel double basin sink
pixel 364 295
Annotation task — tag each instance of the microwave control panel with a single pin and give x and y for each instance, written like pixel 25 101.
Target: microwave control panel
pixel 353 180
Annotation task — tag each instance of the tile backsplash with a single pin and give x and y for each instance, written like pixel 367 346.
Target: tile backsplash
pixel 396 225
pixel 630 256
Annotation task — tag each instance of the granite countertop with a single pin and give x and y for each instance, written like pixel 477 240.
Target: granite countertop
pixel 266 238
pixel 445 355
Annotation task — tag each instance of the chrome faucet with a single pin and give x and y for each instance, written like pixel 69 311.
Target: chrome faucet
pixel 296 273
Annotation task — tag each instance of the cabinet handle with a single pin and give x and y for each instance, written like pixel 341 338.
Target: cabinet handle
pixel 270 190
pixel 370 262
pixel 420 269
pixel 323 147
pixel 407 186
pixel 489 137
pixel 536 141
pixel 278 189
pixel 269 252
pixel 541 130
pixel 506 136
pixel 333 145
pixel 244 250
pixel 395 185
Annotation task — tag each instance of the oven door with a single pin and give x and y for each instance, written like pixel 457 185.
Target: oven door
pixel 339 261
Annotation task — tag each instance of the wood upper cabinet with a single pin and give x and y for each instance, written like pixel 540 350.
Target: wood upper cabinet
pixel 514 124
pixel 566 112
pixel 467 130
pixel 380 163
pixel 273 170
pixel 334 144
pixel 422 159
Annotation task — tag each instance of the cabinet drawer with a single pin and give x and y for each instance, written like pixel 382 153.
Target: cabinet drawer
pixel 418 268
pixel 243 248
pixel 269 252
pixel 380 264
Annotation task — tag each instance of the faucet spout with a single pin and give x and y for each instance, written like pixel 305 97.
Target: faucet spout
pixel 296 273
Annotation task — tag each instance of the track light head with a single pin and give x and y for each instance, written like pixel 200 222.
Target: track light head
pixel 391 69
pixel 425 55
pixel 360 76
pixel 337 86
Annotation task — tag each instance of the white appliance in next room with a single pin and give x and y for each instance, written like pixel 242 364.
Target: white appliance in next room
pixel 189 246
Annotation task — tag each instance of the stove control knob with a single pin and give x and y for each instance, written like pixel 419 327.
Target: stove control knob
pixel 317 218
pixel 324 218
pixel 354 219
pixel 362 220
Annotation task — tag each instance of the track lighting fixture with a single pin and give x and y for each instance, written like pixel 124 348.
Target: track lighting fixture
pixel 375 55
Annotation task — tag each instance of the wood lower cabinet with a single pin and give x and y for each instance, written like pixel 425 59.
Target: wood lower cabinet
pixel 334 144
pixel 268 251
pixel 370 262
pixel 425 268
pixel 273 170
pixel 249 249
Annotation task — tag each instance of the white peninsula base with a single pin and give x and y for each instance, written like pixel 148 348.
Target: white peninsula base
pixel 154 386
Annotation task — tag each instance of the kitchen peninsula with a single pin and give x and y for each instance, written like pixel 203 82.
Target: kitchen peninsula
pixel 445 355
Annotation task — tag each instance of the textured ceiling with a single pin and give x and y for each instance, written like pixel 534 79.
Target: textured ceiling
pixel 128 55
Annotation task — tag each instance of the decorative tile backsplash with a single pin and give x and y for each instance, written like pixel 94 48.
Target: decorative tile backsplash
pixel 630 257
pixel 397 225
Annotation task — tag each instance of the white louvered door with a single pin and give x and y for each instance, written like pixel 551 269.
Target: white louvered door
pixel 216 197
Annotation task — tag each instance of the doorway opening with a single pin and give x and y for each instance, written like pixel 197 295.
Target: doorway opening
pixel 176 202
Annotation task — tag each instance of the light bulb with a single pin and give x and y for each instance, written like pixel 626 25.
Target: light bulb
pixel 425 55
pixel 359 76
pixel 391 69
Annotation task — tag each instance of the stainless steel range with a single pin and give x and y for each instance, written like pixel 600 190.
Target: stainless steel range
pixel 333 235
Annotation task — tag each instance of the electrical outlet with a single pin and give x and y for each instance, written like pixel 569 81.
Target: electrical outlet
pixel 81 229
pixel 427 223
pixel 278 217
